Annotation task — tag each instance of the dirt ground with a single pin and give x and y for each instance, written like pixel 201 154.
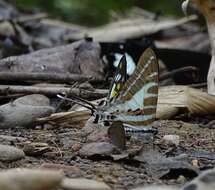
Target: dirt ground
pixel 61 146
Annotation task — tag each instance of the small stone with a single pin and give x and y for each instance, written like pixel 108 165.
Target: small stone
pixel 48 126
pixel 171 139
pixel 65 140
pixel 7 139
pixel 30 179
pixel 205 181
pixel 181 179
pixel 33 100
pixel 195 163
pixel 61 167
pixel 52 155
pixel 100 148
pixel 83 184
pixel 19 115
pixel 10 153
pixel 76 147
pixel 156 187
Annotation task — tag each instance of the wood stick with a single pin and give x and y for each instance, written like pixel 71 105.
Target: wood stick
pixel 45 77
pixel 176 71
pixel 51 91
pixel 198 85
pixel 27 18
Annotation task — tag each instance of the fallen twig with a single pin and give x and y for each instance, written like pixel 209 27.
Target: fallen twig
pixel 45 77
pixel 199 85
pixel 176 71
pixel 33 17
pixel 52 91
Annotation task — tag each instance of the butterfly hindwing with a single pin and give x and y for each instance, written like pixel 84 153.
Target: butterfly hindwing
pixel 116 133
pixel 119 79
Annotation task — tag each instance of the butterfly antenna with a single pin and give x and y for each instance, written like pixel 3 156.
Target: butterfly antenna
pixel 77 102
pixel 83 100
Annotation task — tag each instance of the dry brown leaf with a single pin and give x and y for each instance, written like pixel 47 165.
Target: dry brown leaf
pixel 172 95
pixel 66 118
pixel 200 103
pixel 166 111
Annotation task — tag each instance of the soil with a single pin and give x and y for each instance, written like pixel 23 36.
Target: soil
pixel 61 145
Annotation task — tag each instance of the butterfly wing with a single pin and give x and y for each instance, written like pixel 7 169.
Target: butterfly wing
pixel 137 101
pixel 119 79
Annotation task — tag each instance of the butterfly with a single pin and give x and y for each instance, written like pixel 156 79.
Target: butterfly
pixel 131 101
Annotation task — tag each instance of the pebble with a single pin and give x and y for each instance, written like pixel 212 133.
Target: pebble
pixel 153 187
pixel 195 163
pixel 30 179
pixel 61 167
pixel 83 184
pixel 171 139
pixel 100 148
pixel 7 139
pixel 24 111
pixel 33 100
pixel 181 179
pixel 205 181
pixel 10 153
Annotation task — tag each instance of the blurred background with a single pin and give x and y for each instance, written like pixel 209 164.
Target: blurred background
pixel 96 12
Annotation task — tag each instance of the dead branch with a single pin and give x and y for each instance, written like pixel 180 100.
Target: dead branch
pixel 169 74
pixel 128 29
pixel 51 91
pixel 45 77
pixel 198 85
pixel 27 18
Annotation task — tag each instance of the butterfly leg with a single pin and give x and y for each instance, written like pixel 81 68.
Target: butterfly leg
pixel 140 130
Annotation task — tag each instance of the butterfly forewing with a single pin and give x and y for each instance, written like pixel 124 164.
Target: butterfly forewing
pixel 137 100
pixel 119 79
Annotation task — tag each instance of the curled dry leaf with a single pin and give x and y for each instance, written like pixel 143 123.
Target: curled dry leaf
pixel 173 98
pixel 170 100
pixel 199 102
pixel 166 111
pixel 66 118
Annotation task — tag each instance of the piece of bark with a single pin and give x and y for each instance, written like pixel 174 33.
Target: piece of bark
pixel 82 57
